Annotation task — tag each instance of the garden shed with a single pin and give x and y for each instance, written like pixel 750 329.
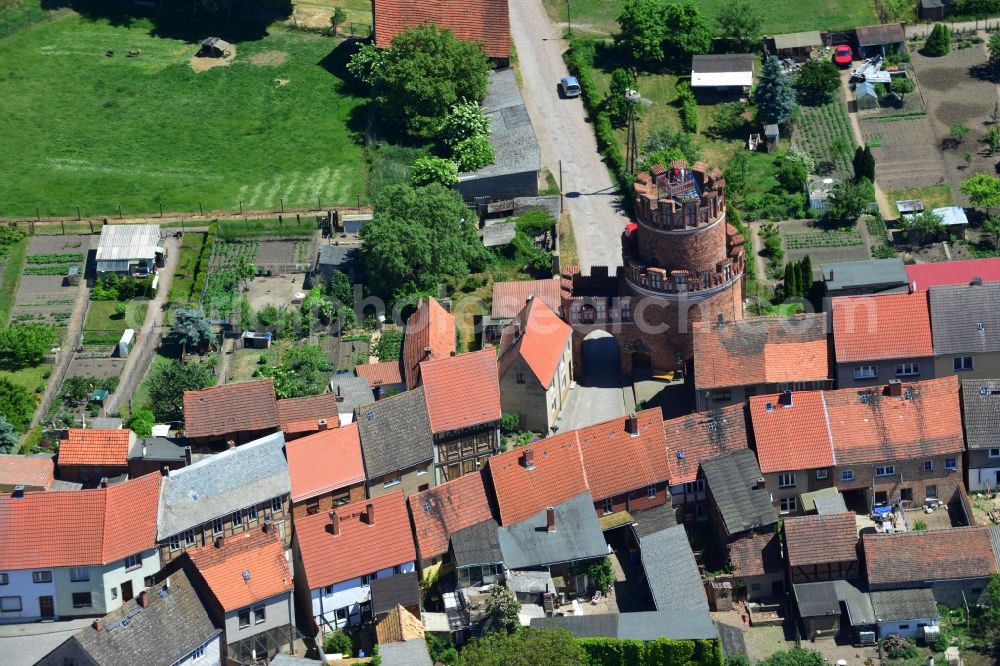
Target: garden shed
pixel 213 47
pixel 866 96
pixel 880 39
pixel 126 342
pixel 798 45
pixel 954 220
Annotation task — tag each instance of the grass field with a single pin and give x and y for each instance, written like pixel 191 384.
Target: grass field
pixel 104 327
pixel 12 262
pixel 933 196
pixel 95 131
pixel 288 227
pixel 599 16
pixel 32 378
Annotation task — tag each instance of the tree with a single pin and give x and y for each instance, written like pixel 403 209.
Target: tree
pixel 430 169
pixel 892 10
pixel 191 329
pixel 805 275
pixel 736 659
pixel 818 81
pixel 869 164
pixel 418 237
pixel 864 164
pixel 474 153
pixel 338 642
pixel 858 162
pixel 616 102
pixel 901 85
pixel 167 384
pixel 16 405
pixel 141 422
pixel 665 139
pixel 120 310
pixel 795 657
pixel 992 226
pixel 791 281
pixel 983 190
pixel 988 622
pixel 365 63
pixel 464 121
pixel 641 30
pixel 510 422
pixel 958 132
pixel 529 646
pixel 993 46
pixel 740 22
pixel 298 371
pixel 847 201
pixel 338 17
pixel 735 173
pixel 688 32
pixel 993 139
pixel 925 226
pixel 774 95
pixel 25 345
pixel 938 42
pixel 792 175
pixel 730 119
pixel 423 74
pixel 340 289
pixel 502 609
pixel 9 441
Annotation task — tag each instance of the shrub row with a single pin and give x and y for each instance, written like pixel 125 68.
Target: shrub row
pixel 201 268
pixel 56 258
pixel 58 269
pixel 616 652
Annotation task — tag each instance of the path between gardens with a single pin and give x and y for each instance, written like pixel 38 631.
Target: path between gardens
pixel 883 201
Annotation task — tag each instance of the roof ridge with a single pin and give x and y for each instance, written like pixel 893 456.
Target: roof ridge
pixel 829 430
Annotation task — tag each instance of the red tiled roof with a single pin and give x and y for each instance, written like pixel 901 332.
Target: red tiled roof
pixel 484 21
pixel 821 539
pixel 462 390
pixel 325 461
pixel 31 471
pixel 257 552
pixel 696 437
pixel 919 557
pixel 761 351
pixel 430 334
pixel 615 461
pixel 439 512
pixel 303 414
pixel 885 326
pixel 791 438
pixel 221 410
pixel 509 297
pixel 360 548
pixel 99 448
pixel 538 336
pixel 79 527
pixel 755 555
pixel 379 374
pixel 954 272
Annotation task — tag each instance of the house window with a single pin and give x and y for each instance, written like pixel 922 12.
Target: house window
pixel 519 377
pixel 252 513
pixel 822 474
pixel 133 561
pixel 4 579
pixel 755 587
pixel 81 600
pixel 189 538
pixel 367 580
pixel 994 453
pixel 199 653
pixel 41 576
pixel 786 480
pixel 962 363
pixel 928 465
pixel 907 369
pixel 341 500
pixel 847 475
pixel 175 542
pixel 651 492
pixel 276 505
pixel 237 519
pixel 787 504
pixel 887 470
pixel 312 506
pixel 904 627
pixel 258 614
pixel 218 526
pixel 79 574
pixel 950 463
pixel 865 371
pixel 341 614
pixel 722 395
pixel 328 590
pixel 692 487
pixel 608 506
pixel 398 569
pixel 930 492
pixel 244 618
pixel 114 593
pixel 10 604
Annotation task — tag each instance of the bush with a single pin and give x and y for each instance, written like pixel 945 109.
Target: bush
pixel 938 42
pixel 428 170
pixel 535 223
pixel 389 346
pixel 897 647
pixel 919 526
pixel 940 643
pixel 441 649
pixel 474 153
pixel 689 116
pixel 338 641
pixel 509 422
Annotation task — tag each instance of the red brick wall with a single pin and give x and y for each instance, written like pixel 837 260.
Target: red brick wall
pixel 697 249
pixel 300 509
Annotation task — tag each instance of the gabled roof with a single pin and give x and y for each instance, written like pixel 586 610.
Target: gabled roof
pixel 462 391
pixel 380 374
pixel 918 558
pixel 361 547
pixel 538 336
pixel 325 461
pixel 441 511
pixel 981 407
pixel 966 318
pixel 766 350
pixel 897 605
pixel 121 242
pixel 821 539
pixel 296 415
pixel 884 326
pixel 220 410
pixel 756 554
pixel 509 297
pixel 76 528
pixel 220 484
pixel 399 625
pixel 430 334
pixel 577 536
pixel 390 591
pixel 671 571
pixel 954 272
pixel 696 437
pixel 395 433
pixel 732 481
pixel 876 35
pixel 681 625
pixel 483 21
pixel 477 544
pixel 31 471
pixel 97 448
pixel 246 568
pixel 615 461
pixel 791 438
pixel 413 652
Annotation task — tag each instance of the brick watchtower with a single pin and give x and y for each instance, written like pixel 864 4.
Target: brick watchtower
pixel 682 261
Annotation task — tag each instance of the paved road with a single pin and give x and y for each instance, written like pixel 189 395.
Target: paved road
pixel 24 644
pixel 598 396
pixel 565 135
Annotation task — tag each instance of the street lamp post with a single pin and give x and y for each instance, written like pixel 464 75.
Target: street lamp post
pixel 569 21
pixel 632 97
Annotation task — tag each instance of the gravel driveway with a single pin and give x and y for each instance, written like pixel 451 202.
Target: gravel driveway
pixel 564 134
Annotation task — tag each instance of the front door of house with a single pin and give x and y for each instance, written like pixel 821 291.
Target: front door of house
pixel 127 591
pixel 46 607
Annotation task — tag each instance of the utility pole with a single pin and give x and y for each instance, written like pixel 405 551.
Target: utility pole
pixel 631 96
pixel 569 21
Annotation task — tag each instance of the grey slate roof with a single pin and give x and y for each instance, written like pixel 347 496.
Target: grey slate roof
pixel 577 536
pixel 157 448
pixel 499 233
pixel 797 40
pixel 648 521
pixel 956 312
pixel 643 626
pixel 477 544
pixel 893 605
pixel 407 653
pixel 351 391
pixel 395 433
pixel 716 64
pixel 874 272
pixel 828 505
pixel 121 242
pixel 338 256
pixel 731 479
pixel 402 589
pixel 288 660
pixel 817 599
pixel 981 412
pixel 671 571
pixel 104 423
pixel 995 542
pixel 512 135
pixel 174 625
pixel 220 484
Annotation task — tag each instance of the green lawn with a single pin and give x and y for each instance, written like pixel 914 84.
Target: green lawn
pixel 33 378
pixel 780 16
pixel 12 262
pixel 141 394
pixel 191 248
pixel 236 229
pixel 94 131
pixel 104 327
pixel 933 196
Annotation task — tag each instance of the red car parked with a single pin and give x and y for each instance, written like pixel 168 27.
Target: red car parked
pixel 842 55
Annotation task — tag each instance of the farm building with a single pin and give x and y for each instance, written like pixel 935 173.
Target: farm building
pixel 954 220
pixel 935 10
pixel 213 47
pixel 871 276
pixel 798 45
pixel 130 248
pixel 337 258
pixel 880 39
pixel 866 96
pixel 728 75
pixel 483 21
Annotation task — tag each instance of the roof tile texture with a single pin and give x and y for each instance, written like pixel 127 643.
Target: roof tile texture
pixel 954 272
pixel 885 326
pixel 509 297
pixel 821 539
pixel 379 374
pixel 105 448
pixel 696 437
pixel 257 552
pixel 325 461
pixel 538 336
pixel 430 334
pixel 220 410
pixel 756 554
pixel 918 557
pixel 462 391
pixel 441 511
pixel 36 471
pixel 303 414
pixel 484 21
pixel 791 438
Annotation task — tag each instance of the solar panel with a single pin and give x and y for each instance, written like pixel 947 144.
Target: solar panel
pixel 132 613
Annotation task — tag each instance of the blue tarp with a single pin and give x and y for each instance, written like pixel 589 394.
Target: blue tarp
pixel 881 511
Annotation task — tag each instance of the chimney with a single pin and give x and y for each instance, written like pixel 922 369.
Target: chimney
pixel 99 624
pixel 18 492
pixel 104 482
pixel 143 448
pixel 187 455
pixel 911 287
pixel 785 399
pixel 530 298
pixel 760 483
pixel 528 459
pixel 231 444
pixel 632 424
pixel 334 526
pixel 321 424
pixel 517 328
pixel 831 275
pixel 454 353
pixel 976 282
pixel 550 519
pixel 427 352
pixel 143 599
pixel 165 471
pixel 220 541
pixel 895 388
pixel 370 514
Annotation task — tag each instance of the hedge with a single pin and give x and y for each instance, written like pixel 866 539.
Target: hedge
pixel 662 652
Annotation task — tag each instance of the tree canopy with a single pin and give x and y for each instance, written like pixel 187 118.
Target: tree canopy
pixel 16 405
pixel 774 95
pixel 848 201
pixel 818 81
pixel 983 190
pixel 795 657
pixel 938 42
pixel 688 32
pixel 167 384
pixel 298 371
pixel 24 345
pixel 9 440
pixel 740 22
pixel 191 329
pixel 924 227
pixel 526 647
pixel 141 422
pixel 652 30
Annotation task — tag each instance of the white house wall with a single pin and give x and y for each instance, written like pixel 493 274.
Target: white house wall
pixel 347 594
pixel 905 628
pixel 20 584
pixel 277 613
pixel 212 656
